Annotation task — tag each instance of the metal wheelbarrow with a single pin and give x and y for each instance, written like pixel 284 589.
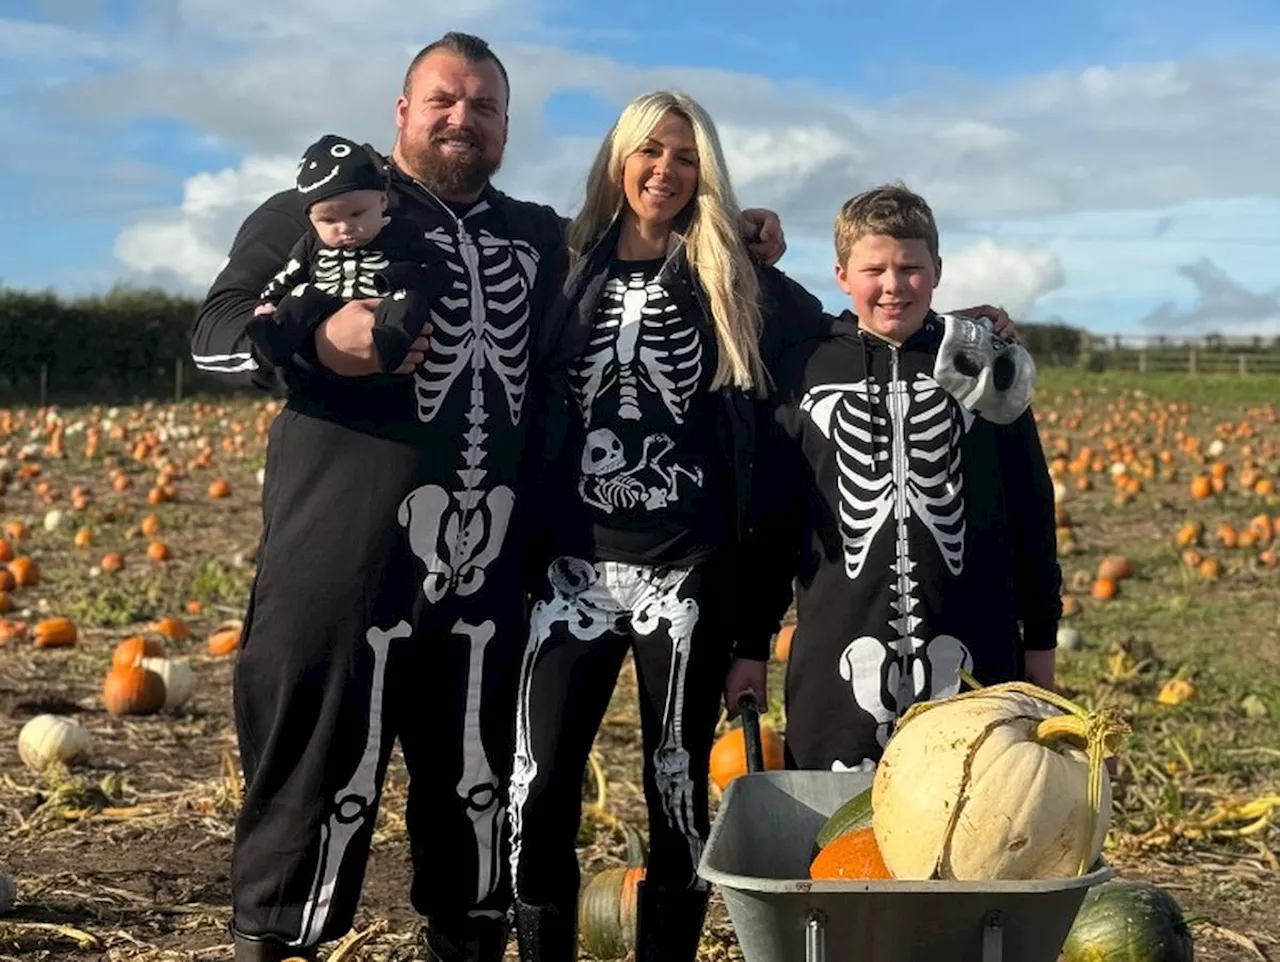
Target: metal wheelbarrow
pixel 758 854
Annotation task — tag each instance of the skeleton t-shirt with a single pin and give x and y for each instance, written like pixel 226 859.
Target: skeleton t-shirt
pixel 647 476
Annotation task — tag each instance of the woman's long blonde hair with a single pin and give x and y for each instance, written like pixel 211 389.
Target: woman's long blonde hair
pixel 713 245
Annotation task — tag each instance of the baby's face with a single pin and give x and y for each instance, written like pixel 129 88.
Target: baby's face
pixel 351 219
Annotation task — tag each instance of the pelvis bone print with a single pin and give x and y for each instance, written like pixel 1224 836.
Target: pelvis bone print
pixel 898 456
pixel 481 328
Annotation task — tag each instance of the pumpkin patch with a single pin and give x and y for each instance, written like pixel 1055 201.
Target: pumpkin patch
pixel 124 625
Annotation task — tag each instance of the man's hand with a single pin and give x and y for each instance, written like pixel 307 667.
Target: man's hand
pixel 762 232
pixel 344 342
pixel 1041 668
pixel 264 310
pixel 1000 320
pixel 746 675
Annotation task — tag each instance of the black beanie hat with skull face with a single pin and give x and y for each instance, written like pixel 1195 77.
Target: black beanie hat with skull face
pixel 334 165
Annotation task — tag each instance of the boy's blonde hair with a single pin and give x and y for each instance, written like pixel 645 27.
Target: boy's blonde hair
pixel 890 210
pixel 713 245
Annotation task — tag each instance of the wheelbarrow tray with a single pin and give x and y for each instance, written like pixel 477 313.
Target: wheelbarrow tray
pixel 758 854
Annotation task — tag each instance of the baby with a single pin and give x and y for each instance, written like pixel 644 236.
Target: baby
pixel 353 250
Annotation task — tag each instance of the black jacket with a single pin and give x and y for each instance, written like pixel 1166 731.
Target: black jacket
pixel 789 314
pixel 976 550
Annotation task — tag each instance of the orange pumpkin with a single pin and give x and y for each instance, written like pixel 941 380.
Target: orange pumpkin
pixel 14 530
pixel 150 526
pixel 158 551
pixel 133 691
pixel 111 562
pixel 729 754
pixel 219 489
pixel 1190 534
pixel 1211 568
pixel 854 855
pixel 84 538
pixel 132 650
pixel 225 638
pixel 172 628
pixel 6 552
pixel 782 644
pixel 1104 589
pixel 26 573
pixel 6 605
pixel 1201 486
pixel 12 631
pixel 1115 567
pixel 55 633
pixel 1228 537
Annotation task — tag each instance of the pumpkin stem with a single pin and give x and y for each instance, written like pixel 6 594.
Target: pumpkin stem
pixel 1068 728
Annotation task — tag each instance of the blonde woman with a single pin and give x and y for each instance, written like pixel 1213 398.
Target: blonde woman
pixel 661 347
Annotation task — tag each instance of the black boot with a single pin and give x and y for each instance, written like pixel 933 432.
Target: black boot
pixel 268 950
pixel 546 933
pixel 470 939
pixel 668 923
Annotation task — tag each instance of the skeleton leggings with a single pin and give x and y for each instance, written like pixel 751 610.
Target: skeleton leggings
pixel 343 654
pixel 589 616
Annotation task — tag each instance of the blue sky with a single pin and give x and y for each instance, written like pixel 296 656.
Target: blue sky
pixel 1110 165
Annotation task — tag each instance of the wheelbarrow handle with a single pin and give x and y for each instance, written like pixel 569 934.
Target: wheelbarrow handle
pixel 749 709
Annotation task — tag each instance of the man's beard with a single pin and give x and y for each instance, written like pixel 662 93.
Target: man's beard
pixel 451 176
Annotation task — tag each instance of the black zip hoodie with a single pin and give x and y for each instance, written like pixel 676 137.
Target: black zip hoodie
pixel 920 539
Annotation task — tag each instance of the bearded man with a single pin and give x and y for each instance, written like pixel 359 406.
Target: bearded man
pixel 388 600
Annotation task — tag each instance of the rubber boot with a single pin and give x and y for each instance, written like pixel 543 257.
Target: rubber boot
pixel 669 922
pixel 547 933
pixel 471 939
pixel 269 950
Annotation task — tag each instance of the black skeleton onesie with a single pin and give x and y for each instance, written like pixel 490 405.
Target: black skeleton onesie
pixel 637 543
pixel 398 265
pixel 921 537
pixel 388 598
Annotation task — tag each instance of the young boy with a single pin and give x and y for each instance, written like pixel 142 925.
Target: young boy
pixel 905 491
pixel 353 250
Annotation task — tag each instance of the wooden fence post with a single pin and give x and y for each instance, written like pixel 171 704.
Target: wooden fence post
pixel 1192 367
pixel 1142 362
pixel 1244 364
pixel 177 379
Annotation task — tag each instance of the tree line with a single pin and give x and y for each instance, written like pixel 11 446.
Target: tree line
pixel 134 343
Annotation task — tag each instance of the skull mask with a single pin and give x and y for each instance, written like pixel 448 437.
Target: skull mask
pixel 990 376
pixel 602 454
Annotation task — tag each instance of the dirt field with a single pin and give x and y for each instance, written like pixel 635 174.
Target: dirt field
pixel 126 856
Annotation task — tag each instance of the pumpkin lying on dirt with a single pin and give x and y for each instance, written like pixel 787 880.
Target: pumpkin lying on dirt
pixel 1133 921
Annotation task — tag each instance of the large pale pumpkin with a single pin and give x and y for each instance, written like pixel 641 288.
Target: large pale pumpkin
pixel 1005 782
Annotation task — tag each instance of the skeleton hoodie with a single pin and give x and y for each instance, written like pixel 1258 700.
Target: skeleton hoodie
pixel 920 538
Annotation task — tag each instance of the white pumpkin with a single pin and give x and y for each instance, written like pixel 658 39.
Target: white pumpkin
pixel 994 784
pixel 49 738
pixel 179 680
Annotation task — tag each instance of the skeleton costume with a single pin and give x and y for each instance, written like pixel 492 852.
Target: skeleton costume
pixel 919 532
pixel 398 265
pixel 388 600
pixel 647 483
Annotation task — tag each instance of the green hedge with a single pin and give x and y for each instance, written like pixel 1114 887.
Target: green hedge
pixel 115 347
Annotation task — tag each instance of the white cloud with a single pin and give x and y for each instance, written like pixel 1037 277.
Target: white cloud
pixel 189 244
pixel 1020 173
pixel 986 273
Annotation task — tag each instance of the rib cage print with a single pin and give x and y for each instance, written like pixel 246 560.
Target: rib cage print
pixel 349 273
pixel 898 458
pixel 638 339
pixel 483 323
